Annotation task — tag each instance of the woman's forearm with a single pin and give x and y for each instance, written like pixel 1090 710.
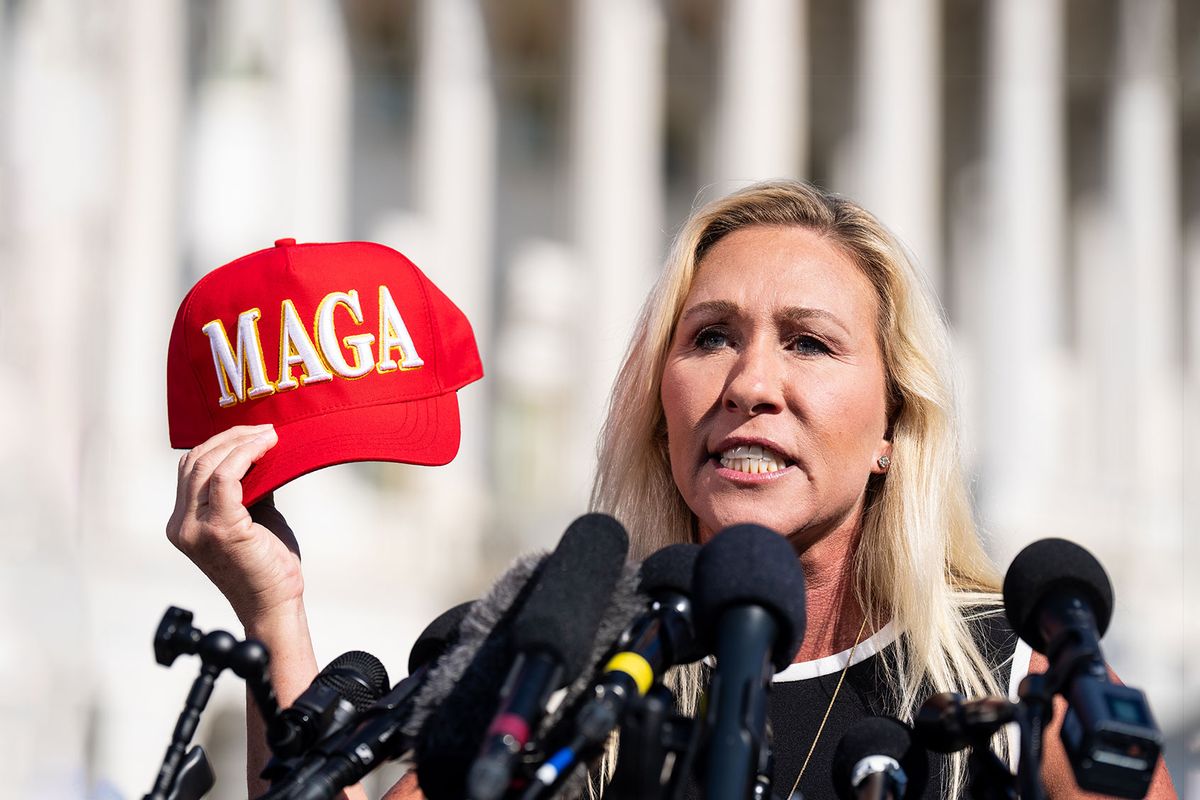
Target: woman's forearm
pixel 292 667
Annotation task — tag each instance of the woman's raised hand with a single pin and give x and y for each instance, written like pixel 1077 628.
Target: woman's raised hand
pixel 250 554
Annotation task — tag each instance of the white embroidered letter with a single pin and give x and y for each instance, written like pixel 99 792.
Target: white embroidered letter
pixel 327 337
pixel 393 335
pixel 232 368
pixel 296 348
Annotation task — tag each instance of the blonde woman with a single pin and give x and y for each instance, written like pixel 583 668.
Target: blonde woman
pixel 789 369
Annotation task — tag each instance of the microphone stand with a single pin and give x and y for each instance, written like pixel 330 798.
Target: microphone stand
pixel 185 728
pixel 643 749
pixel 763 787
pixel 948 724
pixel 650 734
pixel 988 777
pixel 186 774
pixel 1036 707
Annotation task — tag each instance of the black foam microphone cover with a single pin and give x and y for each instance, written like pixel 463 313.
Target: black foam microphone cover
pixel 651 624
pixel 752 565
pixel 624 607
pixel 438 636
pixel 1054 566
pixel 460 693
pixel 537 601
pixel 566 605
pixel 879 736
pixel 670 569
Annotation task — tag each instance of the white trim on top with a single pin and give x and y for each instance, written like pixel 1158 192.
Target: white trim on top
pixel 837 662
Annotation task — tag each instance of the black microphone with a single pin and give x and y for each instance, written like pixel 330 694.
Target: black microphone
pixel 458 699
pixel 348 686
pixel 877 759
pixel 662 636
pixel 343 761
pixel 1059 599
pixel 749 596
pixel 1056 594
pixel 438 637
pixel 461 696
pixel 553 635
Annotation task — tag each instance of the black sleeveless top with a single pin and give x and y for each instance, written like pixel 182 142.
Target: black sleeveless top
pixel 801 694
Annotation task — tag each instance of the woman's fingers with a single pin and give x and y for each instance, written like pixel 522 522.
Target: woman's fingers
pixel 255 566
pixel 223 490
pixel 222 439
pixel 204 460
pixel 195 471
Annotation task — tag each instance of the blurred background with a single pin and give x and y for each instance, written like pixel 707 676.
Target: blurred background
pixel 1040 157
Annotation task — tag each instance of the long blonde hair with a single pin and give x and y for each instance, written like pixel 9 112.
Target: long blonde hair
pixel 919 559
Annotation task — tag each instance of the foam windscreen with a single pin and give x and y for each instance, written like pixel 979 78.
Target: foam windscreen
pixel 670 569
pixel 751 565
pixel 565 607
pixel 554 603
pixel 1046 567
pixel 438 636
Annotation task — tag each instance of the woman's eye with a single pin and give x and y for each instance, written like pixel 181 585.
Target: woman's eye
pixel 711 339
pixel 809 345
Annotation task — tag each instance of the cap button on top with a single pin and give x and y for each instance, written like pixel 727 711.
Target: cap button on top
pixel 284 242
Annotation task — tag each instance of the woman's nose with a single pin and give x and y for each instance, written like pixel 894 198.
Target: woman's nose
pixel 755 385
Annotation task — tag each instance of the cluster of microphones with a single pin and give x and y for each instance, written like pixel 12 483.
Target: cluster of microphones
pixel 517 695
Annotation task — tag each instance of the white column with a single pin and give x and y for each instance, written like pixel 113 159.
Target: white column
pixel 142 286
pixel 617 165
pixel 762 93
pixel 236 169
pixel 1191 522
pixel 1100 446
pixel 1020 350
pixel 455 165
pixel 1144 164
pixel 1145 189
pixel 57 125
pixel 534 384
pixel 896 170
pixel 131 468
pixel 316 93
pixel 455 153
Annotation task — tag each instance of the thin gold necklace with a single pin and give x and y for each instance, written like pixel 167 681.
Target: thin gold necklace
pixel 832 700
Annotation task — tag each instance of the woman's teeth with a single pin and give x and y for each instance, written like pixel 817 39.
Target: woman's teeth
pixel 752 458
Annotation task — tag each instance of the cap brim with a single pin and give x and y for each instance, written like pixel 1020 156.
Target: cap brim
pixel 412 432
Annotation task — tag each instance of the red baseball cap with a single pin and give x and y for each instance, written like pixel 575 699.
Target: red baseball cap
pixel 348 349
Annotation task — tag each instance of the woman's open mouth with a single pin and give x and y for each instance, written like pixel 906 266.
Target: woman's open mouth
pixel 752 459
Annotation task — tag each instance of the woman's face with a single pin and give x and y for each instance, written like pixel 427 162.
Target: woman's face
pixel 774 387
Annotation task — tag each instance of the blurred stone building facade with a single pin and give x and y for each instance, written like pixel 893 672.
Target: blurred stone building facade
pixel 1041 158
